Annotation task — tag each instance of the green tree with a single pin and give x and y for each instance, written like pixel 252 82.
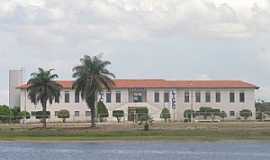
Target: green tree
pixel 92 77
pixel 43 88
pixel 165 114
pixel 102 111
pixel 5 113
pixel 64 114
pixel 118 114
pixel 188 114
pixel 246 113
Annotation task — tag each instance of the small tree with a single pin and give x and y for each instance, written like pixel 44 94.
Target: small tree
pixel 165 114
pixel 223 115
pixel 143 118
pixel 118 114
pixel 102 111
pixel 246 113
pixel 64 114
pixel 141 114
pixel 188 113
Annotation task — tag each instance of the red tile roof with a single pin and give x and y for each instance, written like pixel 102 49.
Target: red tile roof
pixel 160 83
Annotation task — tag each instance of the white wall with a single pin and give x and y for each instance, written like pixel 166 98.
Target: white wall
pixel 154 108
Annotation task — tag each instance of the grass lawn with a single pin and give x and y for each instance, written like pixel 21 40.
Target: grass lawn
pixel 174 132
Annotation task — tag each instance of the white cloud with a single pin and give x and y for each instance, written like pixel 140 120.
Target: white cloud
pixel 150 37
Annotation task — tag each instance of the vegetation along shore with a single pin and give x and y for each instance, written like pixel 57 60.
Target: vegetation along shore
pixel 159 131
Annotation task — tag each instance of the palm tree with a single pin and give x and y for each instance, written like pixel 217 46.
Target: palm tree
pixel 43 88
pixel 92 77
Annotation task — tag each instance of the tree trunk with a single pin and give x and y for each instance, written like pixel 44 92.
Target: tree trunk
pixel 44 114
pixel 91 104
pixel 93 117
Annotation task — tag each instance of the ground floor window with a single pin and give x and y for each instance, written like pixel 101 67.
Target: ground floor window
pixel 232 113
pixel 87 113
pixel 77 113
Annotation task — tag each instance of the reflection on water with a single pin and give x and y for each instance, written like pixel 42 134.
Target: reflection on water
pixel 134 151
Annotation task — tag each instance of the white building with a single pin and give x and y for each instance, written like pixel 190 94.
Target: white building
pixel 178 96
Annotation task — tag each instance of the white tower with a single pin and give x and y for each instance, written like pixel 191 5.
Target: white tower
pixel 15 79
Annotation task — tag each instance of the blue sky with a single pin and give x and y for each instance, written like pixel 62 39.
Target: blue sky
pixel 170 39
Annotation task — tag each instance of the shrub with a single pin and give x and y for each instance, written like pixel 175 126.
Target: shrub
pixel 41 114
pixel 246 113
pixel 102 111
pixel 64 114
pixel 118 114
pixel 165 114
pixel 208 111
pixel 24 114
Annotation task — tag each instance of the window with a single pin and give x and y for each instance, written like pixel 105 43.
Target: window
pixel 186 97
pixel 57 99
pixel 77 113
pixel 232 113
pixel 67 97
pixel 118 97
pixel 242 97
pixel 56 113
pixel 108 97
pixel 156 97
pixel 166 97
pixel 198 97
pixel 137 95
pixel 218 97
pixel 232 97
pixel 87 113
pixel 77 98
pixel 207 97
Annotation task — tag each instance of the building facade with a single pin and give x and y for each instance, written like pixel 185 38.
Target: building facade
pixel 178 96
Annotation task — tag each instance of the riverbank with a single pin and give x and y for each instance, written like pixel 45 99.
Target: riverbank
pixel 158 132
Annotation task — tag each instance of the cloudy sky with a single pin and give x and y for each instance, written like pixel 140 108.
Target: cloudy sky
pixel 171 39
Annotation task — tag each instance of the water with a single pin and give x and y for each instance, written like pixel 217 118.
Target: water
pixel 135 151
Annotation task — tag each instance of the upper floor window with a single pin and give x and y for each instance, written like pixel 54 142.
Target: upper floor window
pixel 218 97
pixel 108 97
pixel 186 97
pixel 207 97
pixel 67 96
pixel 166 97
pixel 118 97
pixel 156 97
pixel 198 97
pixel 77 97
pixel 232 97
pixel 242 97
